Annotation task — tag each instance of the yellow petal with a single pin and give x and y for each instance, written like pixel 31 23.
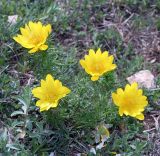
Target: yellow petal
pixel 140 92
pixel 49 29
pixel 110 58
pixel 43 47
pixel 82 63
pixel 94 78
pixel 55 104
pixel 37 92
pixel 49 78
pixel 120 91
pixel 140 117
pixel 91 52
pixel 24 31
pixel 33 50
pixel 105 54
pixel 98 52
pixel 127 88
pixel 31 25
pixel 16 39
pixel 134 85
pixel 44 106
pixel 120 111
pixel 113 66
pixel 116 99
pixel 67 90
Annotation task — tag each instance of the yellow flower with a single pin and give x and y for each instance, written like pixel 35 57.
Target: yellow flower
pixel 97 63
pixel 33 36
pixel 49 93
pixel 130 101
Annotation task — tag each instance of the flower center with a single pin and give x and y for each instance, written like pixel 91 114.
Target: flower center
pixel 97 67
pixel 50 97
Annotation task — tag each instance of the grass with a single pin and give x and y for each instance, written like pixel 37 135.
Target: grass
pixel 70 128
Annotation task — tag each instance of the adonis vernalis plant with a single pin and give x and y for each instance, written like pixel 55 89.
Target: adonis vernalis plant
pixel 49 93
pixel 33 36
pixel 97 63
pixel 130 101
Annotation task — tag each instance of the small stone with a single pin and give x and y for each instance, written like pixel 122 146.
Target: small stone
pixel 144 78
pixel 12 19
